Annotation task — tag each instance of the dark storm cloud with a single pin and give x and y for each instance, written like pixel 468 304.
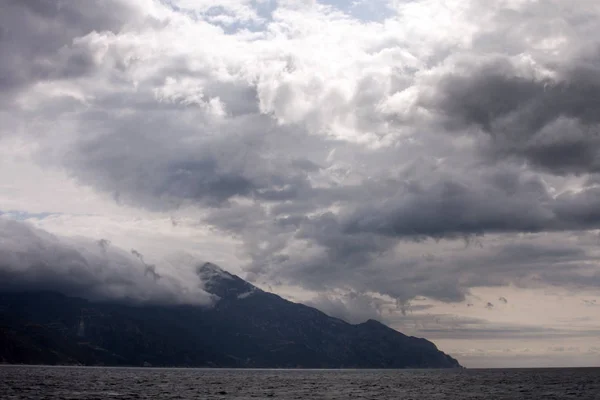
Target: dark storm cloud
pixel 365 263
pixel 551 123
pixel 489 201
pixel 151 160
pixel 528 261
pixel 525 263
pixel 328 178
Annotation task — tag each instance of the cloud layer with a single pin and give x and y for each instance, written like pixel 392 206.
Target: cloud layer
pixel 404 149
pixel 32 259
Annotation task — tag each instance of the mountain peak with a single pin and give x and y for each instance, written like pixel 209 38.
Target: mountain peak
pixel 219 282
pixel 209 270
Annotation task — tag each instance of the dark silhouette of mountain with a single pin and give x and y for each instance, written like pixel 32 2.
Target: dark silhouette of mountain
pixel 247 327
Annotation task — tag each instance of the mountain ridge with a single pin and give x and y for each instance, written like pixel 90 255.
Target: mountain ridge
pixel 246 327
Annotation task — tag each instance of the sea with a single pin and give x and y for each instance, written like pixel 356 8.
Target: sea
pixel 33 382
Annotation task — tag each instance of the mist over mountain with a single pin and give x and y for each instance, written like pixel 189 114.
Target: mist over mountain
pixel 32 259
pixel 245 327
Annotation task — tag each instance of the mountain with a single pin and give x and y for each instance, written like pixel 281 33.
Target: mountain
pixel 247 327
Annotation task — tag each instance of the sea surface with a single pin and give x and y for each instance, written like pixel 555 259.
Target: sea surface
pixel 18 382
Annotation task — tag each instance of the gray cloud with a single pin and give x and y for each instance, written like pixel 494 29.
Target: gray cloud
pixel 508 331
pixel 332 173
pixel 149 269
pixel 529 261
pixel 551 123
pixel 152 160
pixel 496 200
pixel 32 259
pixel 38 38
pixel 351 307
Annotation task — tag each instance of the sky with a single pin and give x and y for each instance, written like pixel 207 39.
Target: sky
pixel 433 164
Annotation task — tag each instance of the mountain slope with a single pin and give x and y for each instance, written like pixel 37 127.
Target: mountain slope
pixel 246 328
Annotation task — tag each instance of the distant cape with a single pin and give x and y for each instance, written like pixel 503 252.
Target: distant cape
pixel 245 328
